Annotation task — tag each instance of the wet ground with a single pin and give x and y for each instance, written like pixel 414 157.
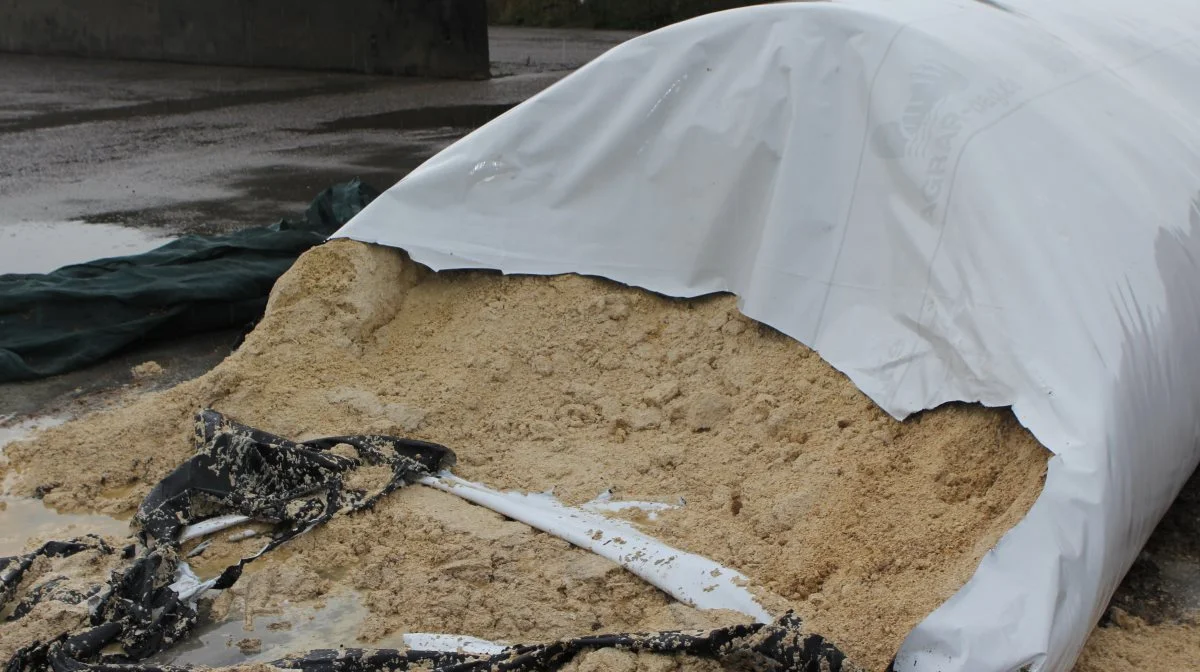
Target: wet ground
pixel 1163 586
pixel 40 247
pixel 191 148
pixel 297 628
pixel 106 158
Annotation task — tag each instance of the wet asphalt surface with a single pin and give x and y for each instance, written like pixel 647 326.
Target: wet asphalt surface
pixel 163 150
pixel 206 149
pixel 172 149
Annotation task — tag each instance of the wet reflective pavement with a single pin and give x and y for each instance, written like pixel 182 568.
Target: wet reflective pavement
pixel 149 151
pixel 40 247
pixel 203 149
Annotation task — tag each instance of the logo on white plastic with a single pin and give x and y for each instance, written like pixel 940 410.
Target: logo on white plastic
pixel 924 121
pixel 930 131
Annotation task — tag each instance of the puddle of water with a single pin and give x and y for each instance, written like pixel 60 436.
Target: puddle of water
pixel 40 247
pixel 331 626
pixel 15 431
pixel 22 429
pixel 22 519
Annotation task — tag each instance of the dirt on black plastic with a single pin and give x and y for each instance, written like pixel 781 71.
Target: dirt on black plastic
pixel 143 600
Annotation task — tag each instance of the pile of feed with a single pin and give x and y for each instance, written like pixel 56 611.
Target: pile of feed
pixel 789 474
pixel 1129 644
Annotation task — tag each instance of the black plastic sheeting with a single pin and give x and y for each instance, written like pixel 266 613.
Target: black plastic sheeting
pixel 77 315
pixel 298 486
pixel 236 470
pixel 782 645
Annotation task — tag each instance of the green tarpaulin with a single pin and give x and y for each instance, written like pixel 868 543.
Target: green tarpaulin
pixel 61 321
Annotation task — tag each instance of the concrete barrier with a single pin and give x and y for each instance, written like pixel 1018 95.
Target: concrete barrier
pixel 618 14
pixel 435 38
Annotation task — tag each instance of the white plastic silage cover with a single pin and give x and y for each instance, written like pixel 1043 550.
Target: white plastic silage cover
pixel 948 200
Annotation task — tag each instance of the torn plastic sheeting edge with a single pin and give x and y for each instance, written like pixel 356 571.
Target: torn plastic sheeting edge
pixel 187 585
pixel 687 577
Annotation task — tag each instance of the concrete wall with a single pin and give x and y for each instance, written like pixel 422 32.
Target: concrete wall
pixel 437 38
pixel 621 14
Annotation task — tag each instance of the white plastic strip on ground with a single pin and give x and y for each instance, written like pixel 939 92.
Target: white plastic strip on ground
pixel 424 641
pixel 949 200
pixel 689 578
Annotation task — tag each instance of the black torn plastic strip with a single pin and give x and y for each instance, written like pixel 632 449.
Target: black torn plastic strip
pixel 236 470
pixel 239 469
pixel 14 568
pixel 297 486
pixel 51 590
pixel 778 646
